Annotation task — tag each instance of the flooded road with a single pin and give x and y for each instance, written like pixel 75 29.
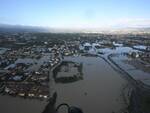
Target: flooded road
pixel 100 91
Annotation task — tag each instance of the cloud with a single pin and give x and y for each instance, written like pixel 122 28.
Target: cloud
pixel 136 22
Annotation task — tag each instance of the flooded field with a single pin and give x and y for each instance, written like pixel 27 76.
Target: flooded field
pixel 135 67
pixel 100 91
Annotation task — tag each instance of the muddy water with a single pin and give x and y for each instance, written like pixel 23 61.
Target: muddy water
pixel 10 104
pixel 99 92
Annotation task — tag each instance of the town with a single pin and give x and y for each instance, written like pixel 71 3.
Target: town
pixel 27 59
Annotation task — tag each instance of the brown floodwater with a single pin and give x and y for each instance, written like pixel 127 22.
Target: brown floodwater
pixel 10 104
pixel 100 91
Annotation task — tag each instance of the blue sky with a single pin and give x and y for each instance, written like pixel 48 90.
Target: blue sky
pixel 76 13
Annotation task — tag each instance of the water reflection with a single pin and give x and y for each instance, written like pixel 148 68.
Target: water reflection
pixel 50 107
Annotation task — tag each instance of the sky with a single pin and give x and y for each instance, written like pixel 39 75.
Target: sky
pixel 76 13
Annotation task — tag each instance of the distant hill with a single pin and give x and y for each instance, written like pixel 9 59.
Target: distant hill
pixel 5 28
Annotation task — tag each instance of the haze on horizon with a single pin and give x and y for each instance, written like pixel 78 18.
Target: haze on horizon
pixel 76 13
